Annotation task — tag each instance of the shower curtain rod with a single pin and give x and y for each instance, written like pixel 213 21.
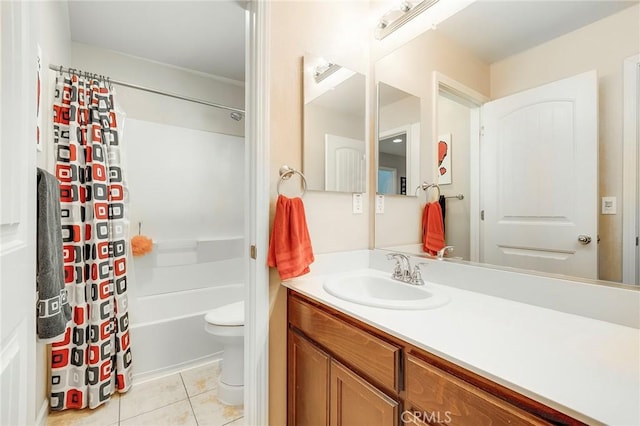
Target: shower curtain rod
pixel 149 89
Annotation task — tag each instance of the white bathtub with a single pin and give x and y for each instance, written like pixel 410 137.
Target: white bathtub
pixel 167 330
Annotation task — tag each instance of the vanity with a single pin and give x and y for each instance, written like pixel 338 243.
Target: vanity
pixel 523 330
pixel 478 359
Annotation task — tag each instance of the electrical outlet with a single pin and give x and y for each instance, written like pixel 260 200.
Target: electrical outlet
pixel 608 205
pixel 379 204
pixel 357 203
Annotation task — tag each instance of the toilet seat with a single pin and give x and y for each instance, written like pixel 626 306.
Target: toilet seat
pixel 227 315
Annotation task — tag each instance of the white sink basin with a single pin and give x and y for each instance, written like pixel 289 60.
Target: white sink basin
pixel 378 289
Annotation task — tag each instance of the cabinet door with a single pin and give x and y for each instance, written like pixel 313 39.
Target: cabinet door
pixel 308 383
pixel 444 398
pixel 355 402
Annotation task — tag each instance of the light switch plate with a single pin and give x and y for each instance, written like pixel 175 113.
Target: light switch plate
pixel 608 205
pixel 379 204
pixel 357 203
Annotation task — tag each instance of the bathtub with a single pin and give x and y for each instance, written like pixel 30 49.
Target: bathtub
pixel 167 330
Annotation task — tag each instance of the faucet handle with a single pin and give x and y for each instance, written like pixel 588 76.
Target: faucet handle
pixel 397 269
pixel 416 275
pixel 444 251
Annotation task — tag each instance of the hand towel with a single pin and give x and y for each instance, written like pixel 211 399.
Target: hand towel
pixel 432 228
pixel 54 312
pixel 290 248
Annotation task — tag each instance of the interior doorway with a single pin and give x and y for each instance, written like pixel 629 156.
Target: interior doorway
pixel 455 103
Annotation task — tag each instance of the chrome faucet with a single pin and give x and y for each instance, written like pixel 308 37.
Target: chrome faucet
pixel 444 251
pixel 402 270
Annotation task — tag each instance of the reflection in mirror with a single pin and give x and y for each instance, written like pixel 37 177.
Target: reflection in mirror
pixel 455 116
pixel 519 174
pixel 333 154
pixel 398 141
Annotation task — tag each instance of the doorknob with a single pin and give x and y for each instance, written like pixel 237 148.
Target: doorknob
pixel 584 239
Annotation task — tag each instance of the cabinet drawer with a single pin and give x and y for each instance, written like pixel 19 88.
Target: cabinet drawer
pixel 436 391
pixel 362 351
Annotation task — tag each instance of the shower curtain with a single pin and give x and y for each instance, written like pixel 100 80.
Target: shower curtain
pixel 93 359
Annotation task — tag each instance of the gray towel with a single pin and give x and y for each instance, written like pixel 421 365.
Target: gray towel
pixel 54 312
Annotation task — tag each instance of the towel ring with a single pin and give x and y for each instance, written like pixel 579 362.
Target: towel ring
pixel 425 187
pixel 285 174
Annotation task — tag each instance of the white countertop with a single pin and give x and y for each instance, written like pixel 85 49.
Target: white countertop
pixel 586 368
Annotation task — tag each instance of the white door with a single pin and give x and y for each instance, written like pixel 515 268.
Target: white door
pixel 17 215
pixel 540 178
pixel 344 164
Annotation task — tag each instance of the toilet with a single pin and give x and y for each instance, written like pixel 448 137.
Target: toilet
pixel 226 324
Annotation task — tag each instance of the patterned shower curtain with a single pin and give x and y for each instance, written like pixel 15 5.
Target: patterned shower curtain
pixel 93 359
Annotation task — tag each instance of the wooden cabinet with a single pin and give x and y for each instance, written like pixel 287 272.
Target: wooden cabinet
pixel 308 382
pixel 337 373
pixel 354 401
pixel 373 357
pixel 344 372
pixel 436 394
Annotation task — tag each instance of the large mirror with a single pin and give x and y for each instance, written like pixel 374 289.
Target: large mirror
pixel 522 128
pixel 398 141
pixel 334 149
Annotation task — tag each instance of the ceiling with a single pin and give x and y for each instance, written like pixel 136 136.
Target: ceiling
pixel 209 35
pixel 206 36
pixel 388 146
pixel 495 30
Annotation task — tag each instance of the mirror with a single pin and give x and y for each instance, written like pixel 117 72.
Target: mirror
pixel 494 50
pixel 398 141
pixel 334 149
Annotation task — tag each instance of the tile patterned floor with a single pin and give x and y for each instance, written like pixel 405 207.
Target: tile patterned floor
pixel 185 398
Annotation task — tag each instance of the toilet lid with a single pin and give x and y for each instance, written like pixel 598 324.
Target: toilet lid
pixel 231 314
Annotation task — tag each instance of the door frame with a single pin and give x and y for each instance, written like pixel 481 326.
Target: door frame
pixel 630 176
pixel 474 100
pixel 256 226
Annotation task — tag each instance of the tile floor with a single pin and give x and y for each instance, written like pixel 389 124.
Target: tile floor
pixel 185 398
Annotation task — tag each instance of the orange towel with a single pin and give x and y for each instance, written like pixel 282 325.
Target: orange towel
pixel 290 247
pixel 432 228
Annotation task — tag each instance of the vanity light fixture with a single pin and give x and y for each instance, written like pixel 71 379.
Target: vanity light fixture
pixel 325 70
pixel 397 17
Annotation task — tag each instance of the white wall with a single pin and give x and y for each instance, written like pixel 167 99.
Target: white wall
pixel 54 37
pixel 162 109
pixel 603 46
pixel 184 184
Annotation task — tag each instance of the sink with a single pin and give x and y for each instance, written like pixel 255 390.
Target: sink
pixel 377 289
